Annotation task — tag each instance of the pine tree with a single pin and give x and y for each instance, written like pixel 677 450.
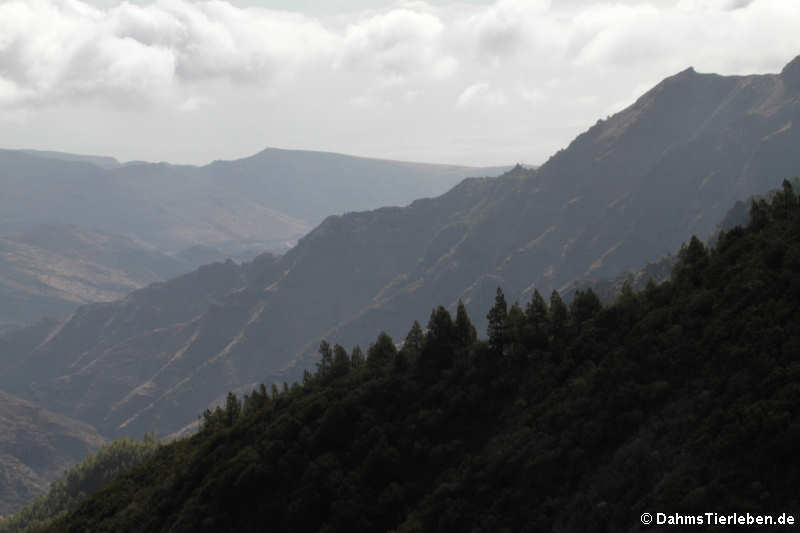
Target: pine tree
pixel 325 363
pixel 440 342
pixel 465 331
pixel 382 352
pixel 357 358
pixel 692 261
pixel 415 340
pixel 341 361
pixel 536 322
pixel 232 409
pixel 498 317
pixel 441 330
pixel 559 315
pixel 515 329
pixel 584 306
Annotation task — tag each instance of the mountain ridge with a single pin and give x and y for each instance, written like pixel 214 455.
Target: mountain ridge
pixel 631 188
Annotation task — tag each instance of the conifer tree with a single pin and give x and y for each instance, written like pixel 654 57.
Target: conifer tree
pixel 325 363
pixel 341 361
pixel 584 306
pixel 415 340
pixel 497 317
pixel 465 331
pixel 382 352
pixel 232 409
pixel 692 261
pixel 515 328
pixel 537 322
pixel 558 315
pixel 357 358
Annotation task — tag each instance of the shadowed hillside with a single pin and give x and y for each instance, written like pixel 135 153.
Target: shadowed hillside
pixel 678 399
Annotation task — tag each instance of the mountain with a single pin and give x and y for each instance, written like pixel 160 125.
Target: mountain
pixel 89 229
pixel 36 445
pixel 265 201
pixel 100 161
pixel 680 399
pixel 48 270
pixel 629 189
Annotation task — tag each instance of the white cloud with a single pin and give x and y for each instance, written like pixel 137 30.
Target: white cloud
pixel 481 93
pixel 54 49
pixel 398 44
pixel 518 78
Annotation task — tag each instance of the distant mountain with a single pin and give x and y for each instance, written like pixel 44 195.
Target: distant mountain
pixel 142 212
pixel 264 201
pixel 36 446
pixel 312 185
pixel 630 189
pixel 100 161
pixel 49 270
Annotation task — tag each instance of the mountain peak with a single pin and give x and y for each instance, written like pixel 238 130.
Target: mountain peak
pixel 791 73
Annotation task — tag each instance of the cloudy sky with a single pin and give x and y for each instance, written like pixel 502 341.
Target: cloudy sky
pixel 473 82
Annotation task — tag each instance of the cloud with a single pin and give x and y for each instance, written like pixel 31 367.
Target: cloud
pixel 398 44
pixel 56 49
pixel 481 93
pixel 377 81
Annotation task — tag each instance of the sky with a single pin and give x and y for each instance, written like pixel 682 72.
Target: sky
pixel 464 82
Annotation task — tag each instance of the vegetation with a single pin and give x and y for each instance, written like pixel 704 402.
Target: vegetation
pixel 79 482
pixel 680 398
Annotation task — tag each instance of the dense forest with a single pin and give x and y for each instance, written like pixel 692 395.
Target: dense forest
pixel 78 482
pixel 678 398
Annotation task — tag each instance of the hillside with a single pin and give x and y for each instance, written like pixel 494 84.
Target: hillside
pixel 679 399
pixel 79 482
pixel 628 190
pixel 36 445
pixel 49 270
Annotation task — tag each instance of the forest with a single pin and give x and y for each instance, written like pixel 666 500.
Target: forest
pixel 571 417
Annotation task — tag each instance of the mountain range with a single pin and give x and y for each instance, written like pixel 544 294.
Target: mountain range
pixel 630 189
pixel 80 229
pixel 267 200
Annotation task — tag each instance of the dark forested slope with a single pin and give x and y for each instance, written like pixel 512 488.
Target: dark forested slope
pixel 681 398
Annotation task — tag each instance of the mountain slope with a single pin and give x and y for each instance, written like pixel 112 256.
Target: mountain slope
pixel 680 399
pixel 80 481
pixel 629 189
pixel 49 270
pixel 36 445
